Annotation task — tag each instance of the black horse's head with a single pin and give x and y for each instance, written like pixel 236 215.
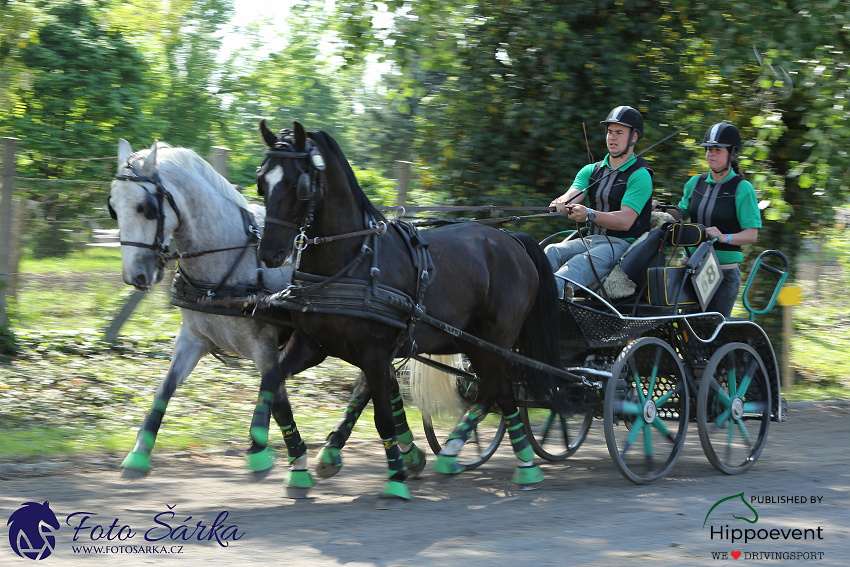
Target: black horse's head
pixel 290 181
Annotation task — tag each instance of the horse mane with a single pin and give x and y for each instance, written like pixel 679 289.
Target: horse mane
pixel 329 146
pixel 190 162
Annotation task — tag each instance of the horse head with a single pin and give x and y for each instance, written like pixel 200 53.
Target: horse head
pixel 290 180
pixel 140 204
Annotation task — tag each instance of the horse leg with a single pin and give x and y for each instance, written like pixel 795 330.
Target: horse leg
pixel 297 356
pixel 528 473
pixel 188 350
pixel 414 457
pixel 329 457
pixel 380 380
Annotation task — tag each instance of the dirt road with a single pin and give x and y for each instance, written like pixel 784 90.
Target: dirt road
pixel 584 513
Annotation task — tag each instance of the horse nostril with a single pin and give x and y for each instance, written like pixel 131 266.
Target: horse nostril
pixel 141 280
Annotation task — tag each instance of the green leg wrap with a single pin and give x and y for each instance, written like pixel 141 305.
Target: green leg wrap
pixel 342 431
pixel 396 489
pixel 394 461
pixel 295 446
pixel 470 421
pixel 139 458
pixel 260 461
pixel 414 460
pixel 260 422
pixel 446 464
pixel 528 475
pixel 402 430
pixel 519 441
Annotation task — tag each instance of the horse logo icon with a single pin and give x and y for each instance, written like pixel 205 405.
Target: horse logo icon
pixel 734 497
pixel 31 530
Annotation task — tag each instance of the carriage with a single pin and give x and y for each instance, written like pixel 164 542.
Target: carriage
pixel 378 290
pixel 650 364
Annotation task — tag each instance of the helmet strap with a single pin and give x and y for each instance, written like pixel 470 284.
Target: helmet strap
pixel 629 146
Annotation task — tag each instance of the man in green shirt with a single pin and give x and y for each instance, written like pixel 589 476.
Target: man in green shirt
pixel 616 193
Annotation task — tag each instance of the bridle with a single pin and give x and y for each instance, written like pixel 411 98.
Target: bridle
pixel 159 246
pixel 309 181
pixel 161 194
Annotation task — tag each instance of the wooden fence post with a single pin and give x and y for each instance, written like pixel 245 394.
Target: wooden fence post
pixel 218 159
pixel 402 175
pixel 6 233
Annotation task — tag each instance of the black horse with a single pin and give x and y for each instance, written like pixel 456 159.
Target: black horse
pixel 363 286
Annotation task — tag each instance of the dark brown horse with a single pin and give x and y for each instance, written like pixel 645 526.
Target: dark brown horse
pixel 363 284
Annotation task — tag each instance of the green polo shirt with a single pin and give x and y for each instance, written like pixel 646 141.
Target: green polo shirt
pixel 746 208
pixel 638 187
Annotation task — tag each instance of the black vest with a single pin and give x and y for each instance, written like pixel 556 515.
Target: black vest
pixel 606 190
pixel 714 205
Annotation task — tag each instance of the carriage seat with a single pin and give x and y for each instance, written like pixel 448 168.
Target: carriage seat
pixel 630 273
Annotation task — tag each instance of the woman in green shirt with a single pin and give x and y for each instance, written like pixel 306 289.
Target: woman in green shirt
pixel 726 204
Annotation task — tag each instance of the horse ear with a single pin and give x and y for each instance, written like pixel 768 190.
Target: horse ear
pixel 268 137
pixel 300 137
pixel 149 166
pixel 124 152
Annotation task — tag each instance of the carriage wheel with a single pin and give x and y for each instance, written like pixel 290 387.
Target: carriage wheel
pixel 554 436
pixel 733 408
pixel 482 442
pixel 646 410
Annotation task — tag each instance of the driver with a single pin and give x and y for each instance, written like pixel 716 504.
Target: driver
pixel 616 194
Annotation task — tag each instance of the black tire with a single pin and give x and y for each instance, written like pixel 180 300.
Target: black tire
pixel 646 410
pixel 733 428
pixel 553 436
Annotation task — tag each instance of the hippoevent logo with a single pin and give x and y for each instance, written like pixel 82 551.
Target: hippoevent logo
pixel 32 530
pixel 733 522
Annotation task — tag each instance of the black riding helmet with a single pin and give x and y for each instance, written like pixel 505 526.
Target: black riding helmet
pixel 723 135
pixel 626 116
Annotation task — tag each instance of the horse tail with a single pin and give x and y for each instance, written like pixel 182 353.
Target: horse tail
pixel 433 391
pixel 540 335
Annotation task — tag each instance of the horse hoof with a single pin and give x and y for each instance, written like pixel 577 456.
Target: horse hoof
pixel 529 478
pixel 447 465
pixel 329 462
pixel 414 461
pixel 395 496
pixel 261 461
pixel 298 484
pixel 133 474
pixel 135 465
pixel 296 493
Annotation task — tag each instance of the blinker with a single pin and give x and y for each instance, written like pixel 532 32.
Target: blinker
pixel 305 187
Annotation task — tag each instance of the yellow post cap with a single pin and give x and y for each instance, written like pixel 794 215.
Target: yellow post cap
pixel 790 295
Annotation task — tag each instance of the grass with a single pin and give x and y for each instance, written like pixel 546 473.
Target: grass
pixel 69 392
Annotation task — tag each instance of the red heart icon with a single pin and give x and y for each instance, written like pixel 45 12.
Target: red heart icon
pixel 736 555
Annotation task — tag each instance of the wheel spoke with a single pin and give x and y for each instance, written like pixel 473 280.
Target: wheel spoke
pixel 647 441
pixel 658 423
pixel 744 433
pixel 631 408
pixel 633 433
pixel 733 388
pixel 723 417
pixel 636 382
